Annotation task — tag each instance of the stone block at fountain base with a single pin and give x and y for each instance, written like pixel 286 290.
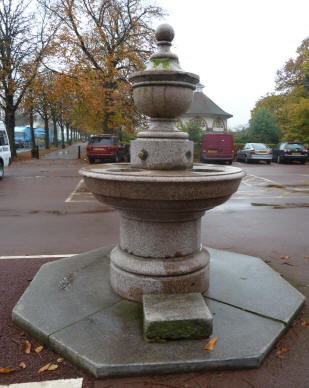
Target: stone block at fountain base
pixel 176 316
pixel 70 306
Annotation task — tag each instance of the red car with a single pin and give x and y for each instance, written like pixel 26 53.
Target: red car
pixel 105 147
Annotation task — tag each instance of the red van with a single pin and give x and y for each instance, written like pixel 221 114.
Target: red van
pixel 217 147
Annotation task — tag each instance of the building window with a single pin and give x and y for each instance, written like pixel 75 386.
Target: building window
pixel 200 122
pixel 218 125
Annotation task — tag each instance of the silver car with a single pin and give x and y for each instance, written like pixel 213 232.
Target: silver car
pixel 254 152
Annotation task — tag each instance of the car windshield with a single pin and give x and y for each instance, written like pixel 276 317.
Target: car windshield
pixel 101 141
pixel 259 146
pixel 294 146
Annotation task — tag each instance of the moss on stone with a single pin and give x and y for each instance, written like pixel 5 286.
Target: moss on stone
pixel 158 331
pixel 165 62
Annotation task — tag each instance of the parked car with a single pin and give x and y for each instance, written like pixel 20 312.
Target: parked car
pixel 217 147
pixel 254 152
pixel 5 151
pixel 288 152
pixel 105 147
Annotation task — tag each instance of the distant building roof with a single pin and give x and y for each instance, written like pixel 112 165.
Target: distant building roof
pixel 204 106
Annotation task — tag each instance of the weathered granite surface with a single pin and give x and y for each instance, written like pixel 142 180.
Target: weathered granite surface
pixel 86 322
pixel 176 316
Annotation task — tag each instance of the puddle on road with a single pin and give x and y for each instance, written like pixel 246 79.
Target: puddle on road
pixel 284 206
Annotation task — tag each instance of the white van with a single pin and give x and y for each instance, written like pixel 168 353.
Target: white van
pixel 5 151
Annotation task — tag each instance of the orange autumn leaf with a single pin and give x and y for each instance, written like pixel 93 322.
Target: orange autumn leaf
pixel 285 257
pixel 27 346
pixel 305 323
pixel 38 349
pixel 52 367
pixel 44 368
pixel 211 344
pixel 4 370
pixel 22 365
pixel 306 257
pixel 280 352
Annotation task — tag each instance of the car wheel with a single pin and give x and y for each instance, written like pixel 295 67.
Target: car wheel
pixel 303 161
pixel 91 160
pixel 1 170
pixel 229 162
pixel 246 159
pixel 202 159
pixel 268 161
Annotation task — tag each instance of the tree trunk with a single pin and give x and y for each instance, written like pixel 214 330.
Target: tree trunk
pixel 62 134
pixel 67 133
pixel 55 130
pixel 9 121
pixel 33 145
pixel 46 129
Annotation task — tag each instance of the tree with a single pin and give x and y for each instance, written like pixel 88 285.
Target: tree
pixel 263 127
pixel 114 39
pixel 23 44
pixel 194 131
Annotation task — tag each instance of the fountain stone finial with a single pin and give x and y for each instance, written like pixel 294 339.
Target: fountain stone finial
pixel 163 92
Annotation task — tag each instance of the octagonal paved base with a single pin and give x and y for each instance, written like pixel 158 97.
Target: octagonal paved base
pixel 71 307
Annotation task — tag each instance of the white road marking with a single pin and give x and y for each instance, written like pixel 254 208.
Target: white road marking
pixel 69 199
pixel 36 256
pixel 63 383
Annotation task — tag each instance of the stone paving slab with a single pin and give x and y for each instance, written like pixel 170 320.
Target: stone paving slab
pixel 110 343
pixel 63 292
pixel 102 333
pixel 248 283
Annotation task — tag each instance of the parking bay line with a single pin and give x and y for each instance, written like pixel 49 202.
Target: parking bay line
pixel 69 199
pixel 37 256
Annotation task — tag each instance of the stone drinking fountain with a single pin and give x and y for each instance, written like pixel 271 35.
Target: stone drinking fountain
pixel 161 194
pixel 88 307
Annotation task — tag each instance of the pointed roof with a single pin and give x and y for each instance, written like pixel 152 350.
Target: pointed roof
pixel 204 106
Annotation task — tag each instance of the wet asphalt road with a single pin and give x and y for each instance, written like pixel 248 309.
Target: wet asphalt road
pixel 45 209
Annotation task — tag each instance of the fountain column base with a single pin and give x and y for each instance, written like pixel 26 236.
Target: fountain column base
pixel 133 276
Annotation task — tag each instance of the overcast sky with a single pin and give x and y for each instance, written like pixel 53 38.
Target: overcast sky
pixel 236 46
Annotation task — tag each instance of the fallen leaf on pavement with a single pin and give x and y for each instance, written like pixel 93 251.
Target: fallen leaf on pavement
pixel 22 365
pixel 59 359
pixel 287 263
pixel 38 349
pixel 4 370
pixel 211 344
pixel 306 257
pixel 243 278
pixel 305 323
pixel 27 346
pixel 44 368
pixel 267 261
pixel 52 367
pixel 285 257
pixel 280 352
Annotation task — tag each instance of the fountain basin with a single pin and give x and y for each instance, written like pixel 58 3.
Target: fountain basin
pixel 201 188
pixel 160 250
pixel 163 94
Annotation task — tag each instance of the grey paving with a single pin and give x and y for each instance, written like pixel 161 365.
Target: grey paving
pixel 70 306
pixel 64 292
pixel 248 283
pixel 176 316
